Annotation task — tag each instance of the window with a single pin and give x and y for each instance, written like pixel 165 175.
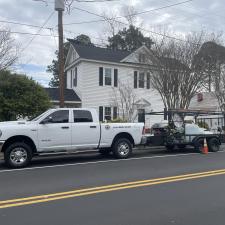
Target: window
pixel 108 113
pixel 108 76
pixel 61 116
pixel 82 116
pixel 141 80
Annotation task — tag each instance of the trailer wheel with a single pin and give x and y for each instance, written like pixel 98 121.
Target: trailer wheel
pixel 122 148
pixel 181 146
pixel 170 147
pixel 214 145
pixel 199 144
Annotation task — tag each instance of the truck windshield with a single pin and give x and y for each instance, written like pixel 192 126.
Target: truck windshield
pixel 38 117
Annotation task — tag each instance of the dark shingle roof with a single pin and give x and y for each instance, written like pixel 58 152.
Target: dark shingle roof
pixel 69 94
pixel 96 53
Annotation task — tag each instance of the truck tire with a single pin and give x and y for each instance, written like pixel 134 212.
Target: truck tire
pixel 214 145
pixel 105 151
pixel 122 148
pixel 199 144
pixel 18 155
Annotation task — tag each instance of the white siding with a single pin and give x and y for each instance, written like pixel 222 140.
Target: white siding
pixel 94 95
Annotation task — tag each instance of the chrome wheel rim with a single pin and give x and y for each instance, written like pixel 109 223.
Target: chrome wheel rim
pixel 18 156
pixel 123 149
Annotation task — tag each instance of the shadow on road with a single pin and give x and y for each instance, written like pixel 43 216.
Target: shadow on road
pixel 51 160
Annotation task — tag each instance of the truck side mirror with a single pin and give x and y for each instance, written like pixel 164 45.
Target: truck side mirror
pixel 46 120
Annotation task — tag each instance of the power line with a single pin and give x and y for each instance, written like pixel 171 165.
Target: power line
pixel 23 24
pixel 126 24
pixel 133 14
pixel 46 21
pixel 27 33
pixel 96 1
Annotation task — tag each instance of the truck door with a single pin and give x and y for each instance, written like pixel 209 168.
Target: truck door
pixel 85 132
pixel 54 132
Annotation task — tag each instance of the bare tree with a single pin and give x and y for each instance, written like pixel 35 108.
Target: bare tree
pixel 129 13
pixel 8 50
pixel 112 24
pixel 125 99
pixel 178 74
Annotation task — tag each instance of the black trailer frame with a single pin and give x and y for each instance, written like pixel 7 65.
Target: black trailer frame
pixel 195 140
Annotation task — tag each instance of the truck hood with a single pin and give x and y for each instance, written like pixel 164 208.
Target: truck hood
pixel 15 123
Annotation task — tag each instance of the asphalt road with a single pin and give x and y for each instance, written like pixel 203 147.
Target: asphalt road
pixel 151 188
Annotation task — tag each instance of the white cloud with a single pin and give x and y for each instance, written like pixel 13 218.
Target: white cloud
pixel 195 15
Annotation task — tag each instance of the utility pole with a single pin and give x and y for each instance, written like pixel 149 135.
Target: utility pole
pixel 59 6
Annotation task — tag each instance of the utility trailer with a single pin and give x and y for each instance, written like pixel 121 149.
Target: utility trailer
pixel 178 133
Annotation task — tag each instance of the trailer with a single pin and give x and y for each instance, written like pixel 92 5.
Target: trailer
pixel 174 131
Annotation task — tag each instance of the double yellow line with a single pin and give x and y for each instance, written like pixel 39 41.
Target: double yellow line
pixel 107 188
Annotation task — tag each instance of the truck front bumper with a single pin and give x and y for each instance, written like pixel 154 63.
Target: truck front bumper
pixel 1 145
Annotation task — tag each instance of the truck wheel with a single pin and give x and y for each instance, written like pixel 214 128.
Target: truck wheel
pixel 122 148
pixel 214 145
pixel 105 151
pixel 170 147
pixel 18 155
pixel 199 144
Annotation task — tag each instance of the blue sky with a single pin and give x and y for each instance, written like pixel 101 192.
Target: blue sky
pixel 192 16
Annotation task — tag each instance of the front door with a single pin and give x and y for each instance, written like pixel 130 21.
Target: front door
pixel 141 115
pixel 54 132
pixel 85 132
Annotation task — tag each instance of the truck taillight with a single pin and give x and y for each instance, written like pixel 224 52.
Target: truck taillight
pixel 143 131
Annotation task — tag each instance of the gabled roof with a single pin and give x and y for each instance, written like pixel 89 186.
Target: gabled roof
pixel 69 95
pixel 100 54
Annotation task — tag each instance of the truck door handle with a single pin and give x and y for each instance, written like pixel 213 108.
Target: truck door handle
pixel 65 127
pixel 92 126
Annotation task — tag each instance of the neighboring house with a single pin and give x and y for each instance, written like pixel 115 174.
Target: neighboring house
pixel 207 101
pixel 96 73
pixel 70 97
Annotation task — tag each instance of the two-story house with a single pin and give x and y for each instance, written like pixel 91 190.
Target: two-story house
pixel 96 74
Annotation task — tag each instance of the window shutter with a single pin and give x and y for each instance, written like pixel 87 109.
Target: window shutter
pixel 148 80
pixel 75 78
pixel 71 79
pixel 101 113
pixel 115 77
pixel 135 79
pixel 100 76
pixel 114 112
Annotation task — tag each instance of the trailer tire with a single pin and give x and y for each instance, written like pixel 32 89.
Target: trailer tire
pixel 170 147
pixel 199 144
pixel 18 155
pixel 181 147
pixel 122 148
pixel 214 145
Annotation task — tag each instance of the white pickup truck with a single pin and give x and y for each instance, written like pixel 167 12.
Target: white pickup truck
pixel 66 130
